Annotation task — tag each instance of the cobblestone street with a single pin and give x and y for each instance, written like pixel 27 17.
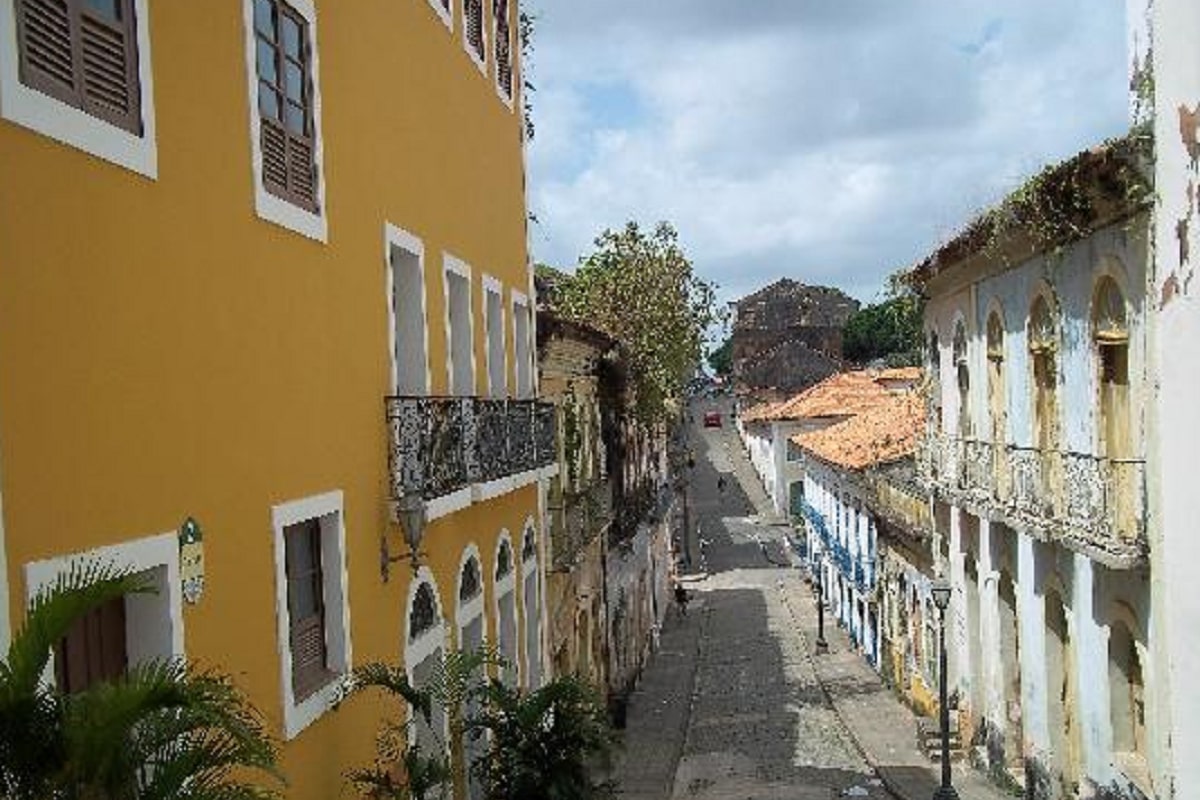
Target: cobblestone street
pixel 734 704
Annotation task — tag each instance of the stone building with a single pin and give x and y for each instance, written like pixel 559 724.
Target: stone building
pixel 788 335
pixel 610 508
pixel 1035 452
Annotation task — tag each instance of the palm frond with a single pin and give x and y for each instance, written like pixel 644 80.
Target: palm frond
pixel 390 679
pixel 85 586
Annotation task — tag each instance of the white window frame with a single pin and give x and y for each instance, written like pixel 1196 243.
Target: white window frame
pixel 480 63
pixel 503 586
pixel 452 264
pixel 143 625
pixel 427 643
pixel 513 45
pixel 522 300
pixel 528 568
pixel 268 206
pixel 491 286
pixel 396 237
pixel 75 127
pixel 298 715
pixel 446 15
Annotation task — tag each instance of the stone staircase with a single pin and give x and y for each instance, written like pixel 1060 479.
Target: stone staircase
pixel 929 739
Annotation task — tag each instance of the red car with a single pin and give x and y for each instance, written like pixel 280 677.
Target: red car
pixel 712 419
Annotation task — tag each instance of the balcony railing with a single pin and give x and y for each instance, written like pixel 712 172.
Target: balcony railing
pixel 577 518
pixel 1096 501
pixel 439 445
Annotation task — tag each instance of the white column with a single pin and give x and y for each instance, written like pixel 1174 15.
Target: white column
pixel 1031 616
pixel 1091 675
pixel 990 671
pixel 958 649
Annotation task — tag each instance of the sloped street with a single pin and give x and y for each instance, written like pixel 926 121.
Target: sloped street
pixel 734 704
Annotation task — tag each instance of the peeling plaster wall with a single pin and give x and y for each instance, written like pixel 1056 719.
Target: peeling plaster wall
pixel 1175 499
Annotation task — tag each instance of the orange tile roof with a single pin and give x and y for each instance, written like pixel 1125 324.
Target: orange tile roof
pixel 912 374
pixel 886 431
pixel 841 394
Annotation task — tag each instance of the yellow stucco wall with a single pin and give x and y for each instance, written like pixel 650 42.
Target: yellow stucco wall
pixel 164 352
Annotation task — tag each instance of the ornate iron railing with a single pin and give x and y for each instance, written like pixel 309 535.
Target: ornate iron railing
pixel 438 445
pixel 1092 500
pixel 577 518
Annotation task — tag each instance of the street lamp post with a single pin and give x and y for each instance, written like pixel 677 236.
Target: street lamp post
pixel 822 645
pixel 941 598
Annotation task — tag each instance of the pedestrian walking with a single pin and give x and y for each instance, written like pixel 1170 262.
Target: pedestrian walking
pixel 681 598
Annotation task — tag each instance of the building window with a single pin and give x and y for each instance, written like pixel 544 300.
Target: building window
pixel 306 607
pixel 935 382
pixel 459 328
pixel 521 345
pixel 493 310
pixel 470 639
pixel 282 68
pixel 423 659
pixel 531 610
pixel 473 36
pixel 502 46
pixel 1111 333
pixel 283 58
pixel 312 606
pixel 78 71
pixel 94 649
pixel 506 608
pixel 1043 349
pixel 962 373
pixel 407 317
pixel 84 53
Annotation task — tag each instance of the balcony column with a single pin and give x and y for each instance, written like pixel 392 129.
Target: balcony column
pixel 990 671
pixel 957 644
pixel 1091 670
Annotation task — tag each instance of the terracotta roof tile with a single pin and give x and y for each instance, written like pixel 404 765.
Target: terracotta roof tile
pixel 884 432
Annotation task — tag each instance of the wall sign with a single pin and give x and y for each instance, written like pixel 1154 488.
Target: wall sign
pixel 191 560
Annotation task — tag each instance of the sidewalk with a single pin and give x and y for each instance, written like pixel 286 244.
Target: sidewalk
pixel 883 728
pixel 658 711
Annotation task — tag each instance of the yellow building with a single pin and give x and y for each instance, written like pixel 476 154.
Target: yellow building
pixel 229 230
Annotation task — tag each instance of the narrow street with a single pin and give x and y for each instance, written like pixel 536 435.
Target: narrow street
pixel 734 704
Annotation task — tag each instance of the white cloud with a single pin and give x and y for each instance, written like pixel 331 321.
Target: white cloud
pixel 828 141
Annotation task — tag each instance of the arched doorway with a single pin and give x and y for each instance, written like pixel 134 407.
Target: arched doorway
pixel 531 608
pixel 425 639
pixel 997 403
pixel 469 617
pixel 506 612
pixel 1060 695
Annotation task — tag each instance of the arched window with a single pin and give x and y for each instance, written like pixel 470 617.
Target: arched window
pixel 423 657
pixel 531 609
pixel 1110 332
pixel 997 400
pixel 1127 708
pixel 506 606
pixel 962 373
pixel 1043 351
pixel 470 618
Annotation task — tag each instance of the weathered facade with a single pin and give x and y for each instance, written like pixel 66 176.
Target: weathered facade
pixel 789 335
pixel 1166 85
pixel 1035 450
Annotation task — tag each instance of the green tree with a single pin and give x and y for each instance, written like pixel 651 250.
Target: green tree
pixel 163 730
pixel 721 358
pixel 640 288
pixel 889 330
pixel 541 743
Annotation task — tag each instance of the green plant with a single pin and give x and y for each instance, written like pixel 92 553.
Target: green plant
pixel 640 288
pixel 721 358
pixel 162 730
pixel 544 743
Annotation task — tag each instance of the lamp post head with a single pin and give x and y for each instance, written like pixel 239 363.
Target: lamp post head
pixel 940 589
pixel 411 513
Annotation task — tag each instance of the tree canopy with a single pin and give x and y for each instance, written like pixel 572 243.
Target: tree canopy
pixel 889 330
pixel 639 287
pixel 721 358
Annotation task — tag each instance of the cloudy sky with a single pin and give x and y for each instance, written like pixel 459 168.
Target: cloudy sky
pixel 827 140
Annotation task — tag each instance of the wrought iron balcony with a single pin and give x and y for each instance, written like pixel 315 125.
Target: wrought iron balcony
pixel 577 518
pixel 1094 502
pixel 439 445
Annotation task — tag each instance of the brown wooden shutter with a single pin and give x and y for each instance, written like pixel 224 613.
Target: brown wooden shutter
pixel 94 650
pixel 76 53
pixel 306 606
pixel 474 15
pixel 288 133
pixel 503 47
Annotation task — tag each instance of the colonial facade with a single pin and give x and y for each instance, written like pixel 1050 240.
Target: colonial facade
pixel 220 251
pixel 1037 326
